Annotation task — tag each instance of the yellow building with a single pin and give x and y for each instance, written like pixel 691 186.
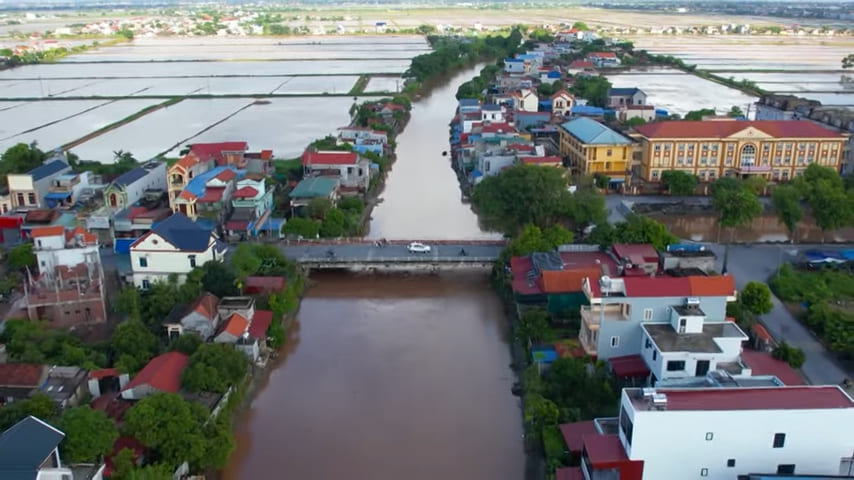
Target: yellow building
pixel 777 150
pixel 593 148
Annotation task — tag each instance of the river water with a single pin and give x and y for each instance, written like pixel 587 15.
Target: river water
pixel 390 376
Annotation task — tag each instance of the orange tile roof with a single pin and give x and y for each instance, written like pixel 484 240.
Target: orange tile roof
pixel 715 286
pixel 186 195
pixel 727 128
pixel 187 161
pixel 235 325
pixel 225 175
pixel 88 238
pixel 47 231
pixel 205 305
pixel 566 281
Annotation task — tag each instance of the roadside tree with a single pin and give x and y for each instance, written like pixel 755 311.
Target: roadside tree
pixel 641 229
pixel 21 257
pixel 736 206
pixel 679 183
pixel 787 202
pixel 756 298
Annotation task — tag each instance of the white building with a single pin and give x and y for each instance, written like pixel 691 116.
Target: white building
pixel 491 112
pixel 68 189
pixel 131 186
pixel 175 246
pixel 27 190
pixel 722 433
pixel 54 247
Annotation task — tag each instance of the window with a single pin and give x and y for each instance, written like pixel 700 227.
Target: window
pixel 647 314
pixel 779 440
pixel 143 262
pixel 648 343
pixel 608 153
pixel 676 366
pixel 786 469
pixel 145 284
pixel 748 155
pixel 31 198
pixel 39 243
pixel 655 174
pixel 709 436
pixel 654 355
pixel 730 463
pixel 615 342
pixel 192 259
pixel 704 472
pixel 626 425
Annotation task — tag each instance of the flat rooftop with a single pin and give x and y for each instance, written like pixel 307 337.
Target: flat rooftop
pixel 667 340
pixel 775 398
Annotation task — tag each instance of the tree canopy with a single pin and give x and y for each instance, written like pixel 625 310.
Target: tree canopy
pixel 21 257
pixel 20 158
pixel 594 89
pixel 679 182
pixel 133 345
pixel 736 204
pixel 89 434
pixel 34 342
pixel 170 426
pixel 214 367
pixel 756 298
pixel 787 202
pixel 695 115
pixel 39 405
pixel 635 229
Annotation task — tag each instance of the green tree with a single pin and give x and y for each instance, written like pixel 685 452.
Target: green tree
pixel 39 405
pixel 539 413
pixel 276 333
pixel 787 202
pixel 795 357
pixel 756 298
pixel 20 158
pixel 170 426
pixel 521 195
pixel 89 434
pixel 133 345
pixel 219 279
pixel 695 115
pixel 635 122
pixel 214 367
pixel 319 207
pixel 304 227
pixel 334 225
pixel 532 239
pixel 125 33
pixel 641 229
pixel 21 257
pixel 186 344
pixel 848 61
pixel 679 182
pixel 580 390
pixel 129 302
pixel 594 89
pixel 580 26
pixel 735 112
pixel 831 207
pixel 533 327
pixel 244 261
pixel 756 184
pixel 736 206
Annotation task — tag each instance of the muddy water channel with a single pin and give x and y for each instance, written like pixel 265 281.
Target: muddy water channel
pixel 390 377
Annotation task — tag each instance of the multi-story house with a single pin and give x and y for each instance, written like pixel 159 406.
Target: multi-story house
pixel 363 139
pixel 352 171
pixel 28 190
pixel 592 148
pixel 174 246
pixel 69 288
pixel 604 59
pixel 562 102
pixel 526 101
pixel 184 170
pixel 130 187
pixel 492 112
pixel 68 189
pixel 620 97
pixel 252 204
pixel 723 434
pixel 208 195
pixel 776 150
pixel 611 324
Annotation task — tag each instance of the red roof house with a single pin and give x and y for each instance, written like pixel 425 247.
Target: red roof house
pixel 332 157
pixel 725 128
pixel 18 380
pixel 161 374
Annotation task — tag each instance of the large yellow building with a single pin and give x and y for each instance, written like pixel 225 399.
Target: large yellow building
pixel 777 150
pixel 593 148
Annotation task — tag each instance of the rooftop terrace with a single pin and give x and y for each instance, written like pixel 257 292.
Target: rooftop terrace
pixel 668 340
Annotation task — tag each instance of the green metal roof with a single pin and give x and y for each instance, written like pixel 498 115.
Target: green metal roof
pixel 314 187
pixel 592 132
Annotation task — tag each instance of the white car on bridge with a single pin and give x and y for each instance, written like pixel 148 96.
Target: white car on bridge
pixel 417 247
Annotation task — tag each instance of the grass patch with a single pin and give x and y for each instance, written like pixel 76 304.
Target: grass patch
pixel 359 86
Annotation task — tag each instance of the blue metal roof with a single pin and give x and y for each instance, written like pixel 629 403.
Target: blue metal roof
pixel 469 102
pixel 57 195
pixel 491 107
pixel 24 446
pixel 183 233
pixel 513 60
pixel 196 186
pixel 592 132
pixel 587 110
pixel 128 178
pixel 47 169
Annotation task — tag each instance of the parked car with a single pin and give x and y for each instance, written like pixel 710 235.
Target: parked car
pixel 416 247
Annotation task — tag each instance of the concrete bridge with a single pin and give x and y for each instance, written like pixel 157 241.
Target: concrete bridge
pixel 361 254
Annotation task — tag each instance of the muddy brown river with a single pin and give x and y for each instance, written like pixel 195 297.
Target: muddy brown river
pixel 391 376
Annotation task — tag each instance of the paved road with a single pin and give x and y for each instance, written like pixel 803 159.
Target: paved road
pixel 369 251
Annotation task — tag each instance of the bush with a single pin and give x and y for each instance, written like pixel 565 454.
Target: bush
pixel 793 356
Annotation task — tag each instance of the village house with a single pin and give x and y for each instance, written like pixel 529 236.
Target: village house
pixel 619 97
pixel 314 187
pixel 611 325
pixel 133 222
pixel 544 161
pixel 628 112
pixel 131 186
pixel 199 318
pixel 19 380
pixel 720 432
pixel 162 374
pixel 603 59
pixel 562 102
pixel 527 120
pixel 181 172
pixel 174 246
pixel 69 189
pixel 578 67
pixel 776 150
pixel 252 205
pixel 66 386
pixel 69 288
pixel 363 139
pixel 592 148
pixel 352 171
pixel 635 259
pixel 244 326
pixel 29 450
pixel 492 112
pixel 516 65
pixel 526 101
pixel 207 196
pixel 28 190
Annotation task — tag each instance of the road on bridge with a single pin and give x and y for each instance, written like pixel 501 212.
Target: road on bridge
pixel 369 251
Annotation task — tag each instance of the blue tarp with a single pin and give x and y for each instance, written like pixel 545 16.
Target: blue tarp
pixel 847 254
pixel 821 256
pixel 543 353
pixel 57 195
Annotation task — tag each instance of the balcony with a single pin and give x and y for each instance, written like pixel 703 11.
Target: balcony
pixel 594 315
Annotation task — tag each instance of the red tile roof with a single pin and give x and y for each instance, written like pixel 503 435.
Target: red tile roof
pixel 237 225
pixel 761 363
pixel 629 366
pixel 260 322
pixel 162 373
pixel 635 252
pixel 207 151
pixel 497 128
pixel 549 160
pixel 212 194
pixel 186 162
pixel 235 325
pixel 573 434
pixel 581 64
pixel 761 333
pixel 604 451
pixel 260 285
pixel 88 238
pixel 329 158
pixel 603 55
pixel 726 128
pixel 205 305
pixel 714 286
pixel 103 373
pixel 225 175
pixel 20 374
pixel 52 231
pixel 520 148
pixel 657 287
pixel 186 195
pixel 245 192
pixel 266 154
pixel 566 281
pixel 520 266
pixel 780 398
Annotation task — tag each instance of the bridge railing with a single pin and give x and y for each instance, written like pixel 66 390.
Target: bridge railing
pixel 368 241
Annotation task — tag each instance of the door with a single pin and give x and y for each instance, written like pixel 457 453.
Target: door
pixel 702 368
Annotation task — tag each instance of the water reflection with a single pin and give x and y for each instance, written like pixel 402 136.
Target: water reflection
pixel 765 228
